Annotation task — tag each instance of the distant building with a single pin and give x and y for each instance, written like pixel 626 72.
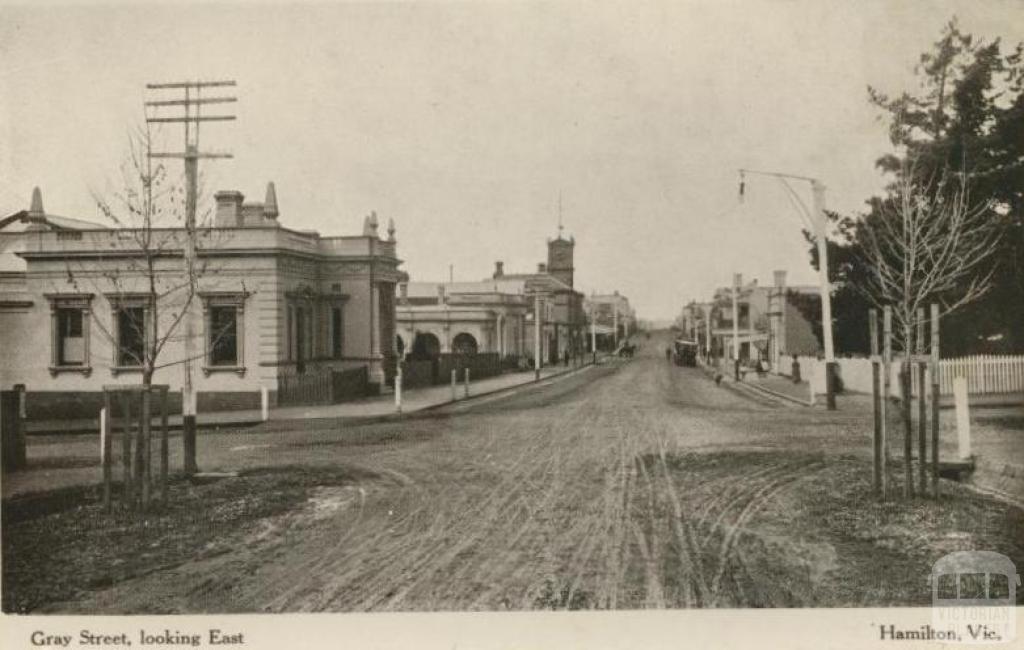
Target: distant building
pixel 613 318
pixel 496 315
pixel 463 317
pixel 773 320
pixel 693 322
pixel 563 321
pixel 284 302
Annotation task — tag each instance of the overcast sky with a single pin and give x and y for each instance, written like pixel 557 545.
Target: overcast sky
pixel 464 122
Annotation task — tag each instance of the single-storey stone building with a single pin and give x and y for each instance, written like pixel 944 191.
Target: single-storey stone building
pixel 271 303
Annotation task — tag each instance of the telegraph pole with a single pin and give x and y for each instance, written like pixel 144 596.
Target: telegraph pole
pixel 593 331
pixel 191 104
pixel 537 305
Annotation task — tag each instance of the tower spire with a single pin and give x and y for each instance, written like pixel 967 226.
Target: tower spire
pixel 560 226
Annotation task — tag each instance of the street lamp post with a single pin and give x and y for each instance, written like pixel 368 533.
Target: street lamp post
pixel 817 220
pixel 593 334
pixel 737 280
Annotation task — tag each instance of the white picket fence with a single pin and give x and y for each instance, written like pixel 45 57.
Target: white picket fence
pixel 985 374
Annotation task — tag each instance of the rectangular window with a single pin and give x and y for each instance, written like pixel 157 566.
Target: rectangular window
pixel 223 336
pixel 224 318
pixel 69 333
pixel 131 336
pixel 336 332
pixel 70 337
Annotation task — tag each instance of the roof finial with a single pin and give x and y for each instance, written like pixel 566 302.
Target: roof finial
pixel 36 209
pixel 391 229
pixel 270 204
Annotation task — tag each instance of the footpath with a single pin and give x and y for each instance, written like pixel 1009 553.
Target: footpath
pixel 997 430
pixel 59 461
pixel 368 408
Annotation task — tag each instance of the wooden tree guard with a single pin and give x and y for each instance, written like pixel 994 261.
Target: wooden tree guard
pixel 108 448
pixel 922 407
pixel 886 389
pixel 878 441
pixel 136 459
pixel 906 389
pixel 935 398
pixel 163 444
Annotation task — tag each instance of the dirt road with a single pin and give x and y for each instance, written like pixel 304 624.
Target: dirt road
pixel 634 484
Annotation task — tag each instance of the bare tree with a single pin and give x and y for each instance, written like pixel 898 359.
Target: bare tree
pixel 136 269
pixel 927 243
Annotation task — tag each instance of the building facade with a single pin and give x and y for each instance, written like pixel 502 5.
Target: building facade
pixel 551 294
pixel 772 321
pixel 497 315
pixel 77 306
pixel 613 318
pixel 463 317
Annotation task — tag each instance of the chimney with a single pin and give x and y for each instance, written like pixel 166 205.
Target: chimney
pixel 270 204
pixel 403 292
pixel 441 298
pixel 229 208
pixel 542 267
pixel 737 280
pixel 499 269
pixel 780 279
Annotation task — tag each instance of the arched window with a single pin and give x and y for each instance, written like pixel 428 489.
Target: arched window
pixel 464 344
pixel 426 346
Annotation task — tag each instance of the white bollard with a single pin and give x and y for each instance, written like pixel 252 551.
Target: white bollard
pixel 398 389
pixel 465 379
pixel 810 386
pixel 264 403
pixel 103 436
pixel 963 418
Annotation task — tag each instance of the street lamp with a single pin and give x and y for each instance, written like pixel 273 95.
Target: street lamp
pixel 737 280
pixel 817 219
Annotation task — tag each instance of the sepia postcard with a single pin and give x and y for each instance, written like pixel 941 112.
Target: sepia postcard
pixel 512 324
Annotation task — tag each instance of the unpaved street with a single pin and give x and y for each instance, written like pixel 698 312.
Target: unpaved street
pixel 633 484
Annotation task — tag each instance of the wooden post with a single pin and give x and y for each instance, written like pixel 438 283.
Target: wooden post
pixel 163 445
pixel 908 426
pixel 146 420
pixel 886 390
pixel 126 444
pixel 455 383
pixel 922 407
pixel 398 387
pixel 963 418
pixel 465 380
pixel 106 448
pixel 878 477
pixel 935 399
pixel 138 475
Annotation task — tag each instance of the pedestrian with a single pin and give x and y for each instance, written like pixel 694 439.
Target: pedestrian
pixel 565 357
pixel 668 354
